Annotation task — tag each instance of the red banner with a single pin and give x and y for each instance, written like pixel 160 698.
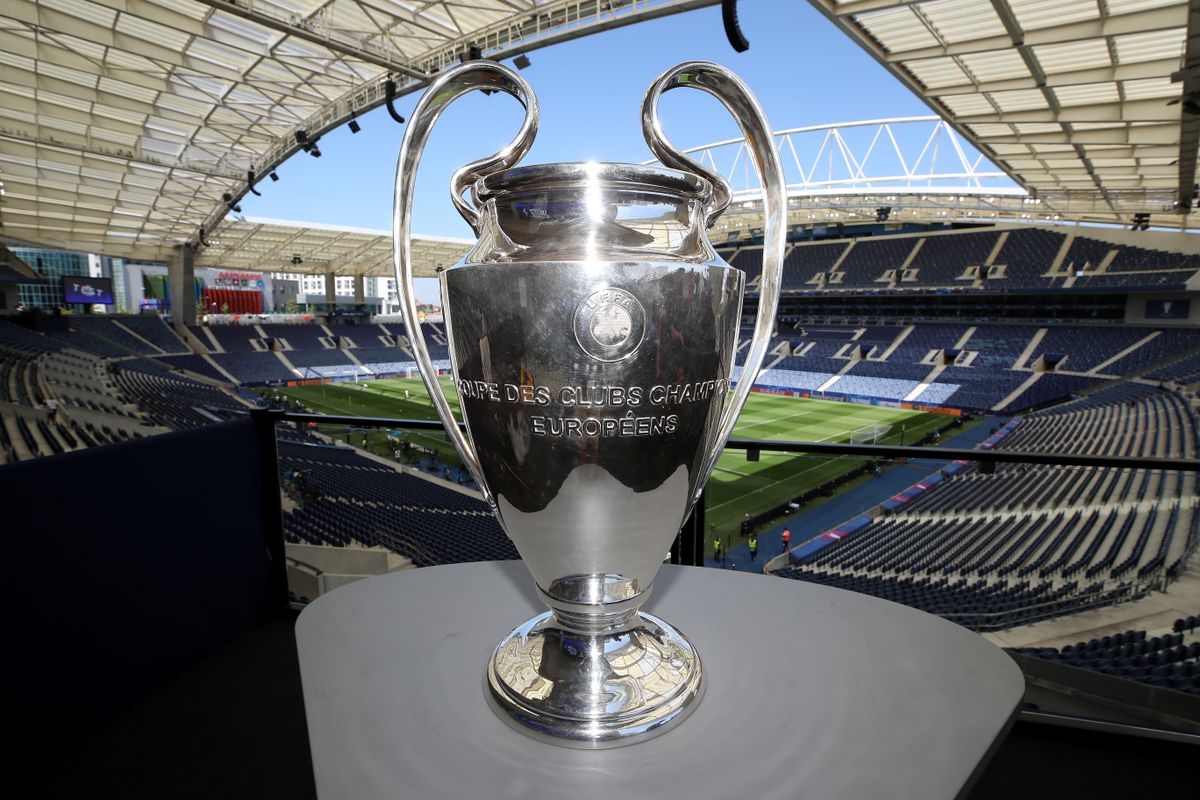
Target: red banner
pixel 232 301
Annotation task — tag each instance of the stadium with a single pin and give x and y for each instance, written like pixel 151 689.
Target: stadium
pixel 978 400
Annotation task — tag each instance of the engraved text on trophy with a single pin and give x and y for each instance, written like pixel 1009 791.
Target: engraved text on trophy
pixel 647 409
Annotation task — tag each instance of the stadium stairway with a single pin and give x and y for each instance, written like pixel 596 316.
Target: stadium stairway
pixel 1099 368
pixel 155 349
pixel 1017 392
pixel 844 506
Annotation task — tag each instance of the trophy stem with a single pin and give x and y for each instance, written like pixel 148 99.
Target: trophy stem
pixel 635 679
pixel 596 624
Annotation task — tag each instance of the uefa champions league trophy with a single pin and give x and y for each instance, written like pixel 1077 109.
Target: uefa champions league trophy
pixel 592 331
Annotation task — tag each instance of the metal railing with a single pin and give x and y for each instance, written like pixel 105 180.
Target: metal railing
pixel 689 545
pixel 872 451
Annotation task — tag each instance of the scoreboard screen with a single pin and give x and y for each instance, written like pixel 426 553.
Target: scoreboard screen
pixel 87 290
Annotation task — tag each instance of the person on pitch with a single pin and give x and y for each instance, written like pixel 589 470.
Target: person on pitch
pixel 753 542
pixel 786 537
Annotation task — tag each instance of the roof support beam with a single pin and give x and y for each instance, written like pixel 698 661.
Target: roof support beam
pixel 119 155
pixel 1189 125
pixel 1167 18
pixel 328 39
pixel 1117 134
pixel 1130 111
pixel 1123 72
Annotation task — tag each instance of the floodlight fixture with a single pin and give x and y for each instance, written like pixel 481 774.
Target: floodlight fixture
pixel 354 126
pixel 522 62
pixel 273 176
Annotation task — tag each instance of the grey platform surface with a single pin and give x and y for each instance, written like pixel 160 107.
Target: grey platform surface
pixel 812 692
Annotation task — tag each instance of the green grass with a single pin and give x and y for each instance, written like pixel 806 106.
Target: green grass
pixel 380 398
pixel 737 487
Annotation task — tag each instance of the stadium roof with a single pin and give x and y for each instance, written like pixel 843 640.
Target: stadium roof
pixel 265 245
pixel 125 123
pixel 1091 105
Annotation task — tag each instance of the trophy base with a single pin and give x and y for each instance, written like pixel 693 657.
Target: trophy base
pixel 594 690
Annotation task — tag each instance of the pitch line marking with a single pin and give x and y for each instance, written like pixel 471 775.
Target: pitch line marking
pixel 781 480
pixel 777 419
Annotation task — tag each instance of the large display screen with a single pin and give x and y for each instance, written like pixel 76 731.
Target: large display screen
pixel 87 290
pixel 1168 309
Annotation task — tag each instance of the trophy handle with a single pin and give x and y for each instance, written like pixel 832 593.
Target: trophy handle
pixel 447 88
pixel 741 103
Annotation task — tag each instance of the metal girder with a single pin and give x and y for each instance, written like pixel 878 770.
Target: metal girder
pixel 1129 111
pixel 1124 72
pixel 866 155
pixel 216 88
pixel 271 16
pixel 1139 22
pixel 259 245
pixel 1189 126
pixel 549 22
pixel 1081 75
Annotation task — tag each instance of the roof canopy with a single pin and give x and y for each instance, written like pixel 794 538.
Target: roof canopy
pixel 276 246
pixel 1095 102
pixel 124 123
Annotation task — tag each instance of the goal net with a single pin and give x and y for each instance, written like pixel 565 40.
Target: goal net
pixel 869 434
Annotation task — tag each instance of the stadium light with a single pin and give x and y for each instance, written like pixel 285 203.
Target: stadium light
pixel 522 62
pixel 354 126
pixel 228 198
pixel 273 176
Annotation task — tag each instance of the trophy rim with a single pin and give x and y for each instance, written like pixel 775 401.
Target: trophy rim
pixel 602 731
pixel 576 173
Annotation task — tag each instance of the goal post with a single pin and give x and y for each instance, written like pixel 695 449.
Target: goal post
pixel 869 434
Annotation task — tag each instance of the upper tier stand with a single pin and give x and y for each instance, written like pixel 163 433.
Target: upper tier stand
pixel 811 691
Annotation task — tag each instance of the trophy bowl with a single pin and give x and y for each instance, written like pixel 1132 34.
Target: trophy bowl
pixel 592 331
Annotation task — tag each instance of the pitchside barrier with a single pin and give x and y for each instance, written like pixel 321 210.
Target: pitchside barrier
pixel 879 402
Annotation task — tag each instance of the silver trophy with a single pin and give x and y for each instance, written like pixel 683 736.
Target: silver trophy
pixel 592 331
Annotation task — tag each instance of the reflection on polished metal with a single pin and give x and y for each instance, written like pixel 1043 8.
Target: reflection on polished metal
pixel 592 331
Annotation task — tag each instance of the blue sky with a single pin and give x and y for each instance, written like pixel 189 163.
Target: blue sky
pixel 803 70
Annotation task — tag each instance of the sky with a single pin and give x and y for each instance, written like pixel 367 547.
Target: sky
pixel 802 69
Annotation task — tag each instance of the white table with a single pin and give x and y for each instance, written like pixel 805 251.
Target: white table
pixel 812 692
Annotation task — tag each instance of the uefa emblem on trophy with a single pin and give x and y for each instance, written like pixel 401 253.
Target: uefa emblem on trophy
pixel 592 331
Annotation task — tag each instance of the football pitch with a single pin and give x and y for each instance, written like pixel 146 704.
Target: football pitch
pixel 737 487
